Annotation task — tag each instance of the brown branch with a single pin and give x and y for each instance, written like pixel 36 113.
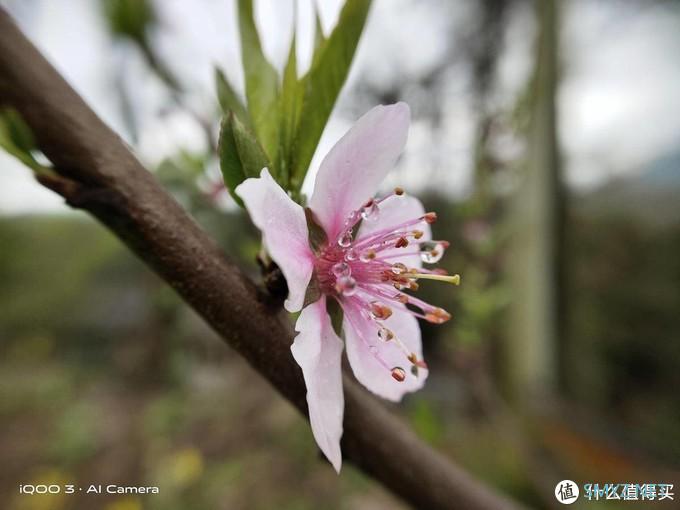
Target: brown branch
pixel 101 176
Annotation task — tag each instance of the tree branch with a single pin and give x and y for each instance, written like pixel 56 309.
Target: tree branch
pixel 98 173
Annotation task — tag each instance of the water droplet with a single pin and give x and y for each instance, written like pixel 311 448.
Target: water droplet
pixel 373 349
pixel 341 269
pixel 370 211
pixel 431 252
pixel 367 256
pixel 399 268
pixel 351 255
pixel 385 335
pixel 346 239
pixel 346 285
pixel 398 374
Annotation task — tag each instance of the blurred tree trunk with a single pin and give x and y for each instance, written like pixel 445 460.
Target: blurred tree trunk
pixel 537 227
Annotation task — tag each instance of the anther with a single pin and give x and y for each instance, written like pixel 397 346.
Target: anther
pixel 437 316
pixel 402 298
pixel 398 374
pixel 398 191
pixel 399 268
pixel 413 358
pixel 417 234
pixel 430 217
pixel 402 242
pixel 367 256
pixel 380 311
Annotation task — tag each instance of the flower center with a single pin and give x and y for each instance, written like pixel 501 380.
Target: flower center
pixel 368 276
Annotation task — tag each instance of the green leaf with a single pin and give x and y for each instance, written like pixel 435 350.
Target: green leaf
pixel 291 106
pixel 317 235
pixel 319 37
pixel 230 163
pixel 241 155
pixel 336 315
pixel 228 98
pixel 250 152
pixel 17 139
pixel 262 83
pixel 313 292
pixel 330 67
pixel 130 18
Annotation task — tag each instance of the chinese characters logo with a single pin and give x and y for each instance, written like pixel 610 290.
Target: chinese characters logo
pixel 566 492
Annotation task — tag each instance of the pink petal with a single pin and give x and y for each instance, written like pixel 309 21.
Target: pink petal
pixel 284 231
pixel 354 168
pixel 394 211
pixel 318 350
pixel 360 334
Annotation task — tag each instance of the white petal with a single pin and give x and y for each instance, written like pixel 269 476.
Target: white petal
pixel 284 230
pixel 361 333
pixel 354 168
pixel 318 350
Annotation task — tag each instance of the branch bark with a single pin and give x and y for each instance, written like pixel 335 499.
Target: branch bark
pixel 98 173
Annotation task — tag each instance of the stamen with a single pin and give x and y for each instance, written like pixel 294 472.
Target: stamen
pixel 380 311
pixel 430 217
pixel 437 316
pixel 402 242
pixel 399 268
pixel 367 256
pixel 372 348
pixel 413 358
pixel 398 191
pixel 453 279
pixel 398 374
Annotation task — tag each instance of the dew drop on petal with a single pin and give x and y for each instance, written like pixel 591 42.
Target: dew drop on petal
pixel 346 285
pixel 346 239
pixel 351 255
pixel 370 212
pixel 341 269
pixel 373 349
pixel 399 268
pixel 431 252
pixel 398 374
pixel 385 335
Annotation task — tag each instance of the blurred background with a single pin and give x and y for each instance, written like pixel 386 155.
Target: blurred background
pixel 545 134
